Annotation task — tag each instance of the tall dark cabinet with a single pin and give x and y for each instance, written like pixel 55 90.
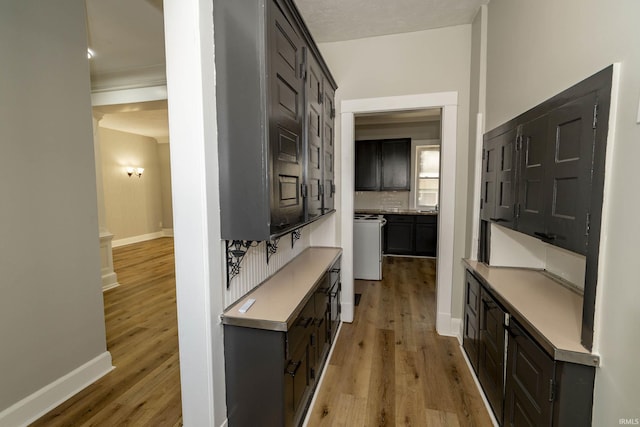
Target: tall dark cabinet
pixel 383 165
pixel 275 120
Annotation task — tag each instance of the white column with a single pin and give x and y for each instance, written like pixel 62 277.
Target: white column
pixel 109 276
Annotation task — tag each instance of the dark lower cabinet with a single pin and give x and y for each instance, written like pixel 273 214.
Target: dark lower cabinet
pixel 524 386
pixel 411 235
pixel 271 375
pixel 492 350
pixel 400 234
pixel 471 331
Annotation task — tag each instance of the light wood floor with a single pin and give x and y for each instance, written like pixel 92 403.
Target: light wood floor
pixel 141 325
pixel 389 367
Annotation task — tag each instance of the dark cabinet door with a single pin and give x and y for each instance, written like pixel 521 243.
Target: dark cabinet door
pixel 400 234
pixel 529 388
pixel 285 122
pixel 395 164
pixel 328 144
pixel 492 351
pixel 471 333
pixel 426 239
pixel 568 174
pixel 488 180
pixel 315 125
pixel 531 192
pixel 505 192
pixel 367 166
pixel 498 190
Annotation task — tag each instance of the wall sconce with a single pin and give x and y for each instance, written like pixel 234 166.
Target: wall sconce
pixel 137 171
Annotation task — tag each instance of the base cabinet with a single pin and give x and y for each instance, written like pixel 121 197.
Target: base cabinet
pixel 411 235
pixel 524 386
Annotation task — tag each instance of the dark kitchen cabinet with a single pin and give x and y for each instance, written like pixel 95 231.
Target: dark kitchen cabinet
pixel 328 145
pixel 383 165
pixel 426 240
pixel 471 327
pixel 271 81
pixel 498 178
pixel 411 235
pixel 491 350
pixel 400 234
pixel 367 166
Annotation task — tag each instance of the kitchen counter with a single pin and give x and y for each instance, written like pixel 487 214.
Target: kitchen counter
pixel 394 212
pixel 548 310
pixel 280 298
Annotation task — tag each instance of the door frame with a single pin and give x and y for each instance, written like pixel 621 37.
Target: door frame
pixel 448 102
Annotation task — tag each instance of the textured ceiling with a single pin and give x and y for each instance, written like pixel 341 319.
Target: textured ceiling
pixel 338 20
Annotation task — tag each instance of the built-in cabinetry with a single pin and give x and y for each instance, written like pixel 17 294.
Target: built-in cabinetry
pixel 411 235
pixel 275 120
pixel 523 383
pixel 383 165
pixel 543 175
pixel 274 355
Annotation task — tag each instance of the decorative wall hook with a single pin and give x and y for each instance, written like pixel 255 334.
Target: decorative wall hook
pixel 271 247
pixel 236 250
pixel 295 235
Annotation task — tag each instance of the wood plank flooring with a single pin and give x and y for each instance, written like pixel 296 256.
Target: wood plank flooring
pixel 390 367
pixel 142 336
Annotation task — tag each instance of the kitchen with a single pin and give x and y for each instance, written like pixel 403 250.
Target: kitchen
pixel 397 170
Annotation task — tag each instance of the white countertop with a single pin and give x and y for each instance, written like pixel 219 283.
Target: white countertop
pixel 539 302
pixel 280 298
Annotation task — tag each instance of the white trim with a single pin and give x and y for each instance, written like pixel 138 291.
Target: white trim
pixel 448 101
pixel 129 96
pixel 477 180
pixel 42 401
pixel 167 232
pixel 482 395
pixel 109 281
pixel 137 239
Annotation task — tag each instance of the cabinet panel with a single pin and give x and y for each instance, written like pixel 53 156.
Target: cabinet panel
pixel 505 192
pixel 568 184
pixel 426 239
pixel 285 123
pixel 367 166
pixel 471 332
pixel 395 164
pixel 329 147
pixel 315 155
pixel 491 348
pixel 529 388
pixel 400 237
pixel 531 192
pixel 488 177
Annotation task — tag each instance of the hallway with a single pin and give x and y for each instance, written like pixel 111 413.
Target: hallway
pixel 389 367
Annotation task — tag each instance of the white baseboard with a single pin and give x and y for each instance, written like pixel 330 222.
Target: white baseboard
pixel 137 239
pixel 482 395
pixel 448 326
pixel 109 281
pixel 42 401
pixel 167 232
pixel 347 312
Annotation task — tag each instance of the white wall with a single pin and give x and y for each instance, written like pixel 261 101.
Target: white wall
pixel 133 205
pixel 535 50
pixel 404 64
pixel 51 309
pixel 165 184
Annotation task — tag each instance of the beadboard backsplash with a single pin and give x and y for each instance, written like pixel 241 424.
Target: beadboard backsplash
pixel 254 269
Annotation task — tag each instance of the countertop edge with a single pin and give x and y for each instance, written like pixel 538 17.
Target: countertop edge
pixel 587 358
pixel 271 324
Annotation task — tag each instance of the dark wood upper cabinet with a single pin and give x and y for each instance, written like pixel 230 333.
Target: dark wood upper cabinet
pixel 275 117
pixel 383 165
pixel 367 166
pixel 498 178
pixel 395 164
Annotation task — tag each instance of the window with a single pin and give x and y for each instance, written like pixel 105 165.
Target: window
pixel 427 176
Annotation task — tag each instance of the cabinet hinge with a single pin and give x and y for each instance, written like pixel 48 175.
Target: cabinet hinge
pixel 595 116
pixel 588 226
pixel 333 112
pixel 321 189
pixel 320 98
pixel 333 189
pixel 519 143
pixel 303 190
pixel 484 154
pixel 552 390
pixel 516 210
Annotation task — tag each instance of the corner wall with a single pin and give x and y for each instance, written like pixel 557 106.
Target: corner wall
pixel 535 50
pixel 51 309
